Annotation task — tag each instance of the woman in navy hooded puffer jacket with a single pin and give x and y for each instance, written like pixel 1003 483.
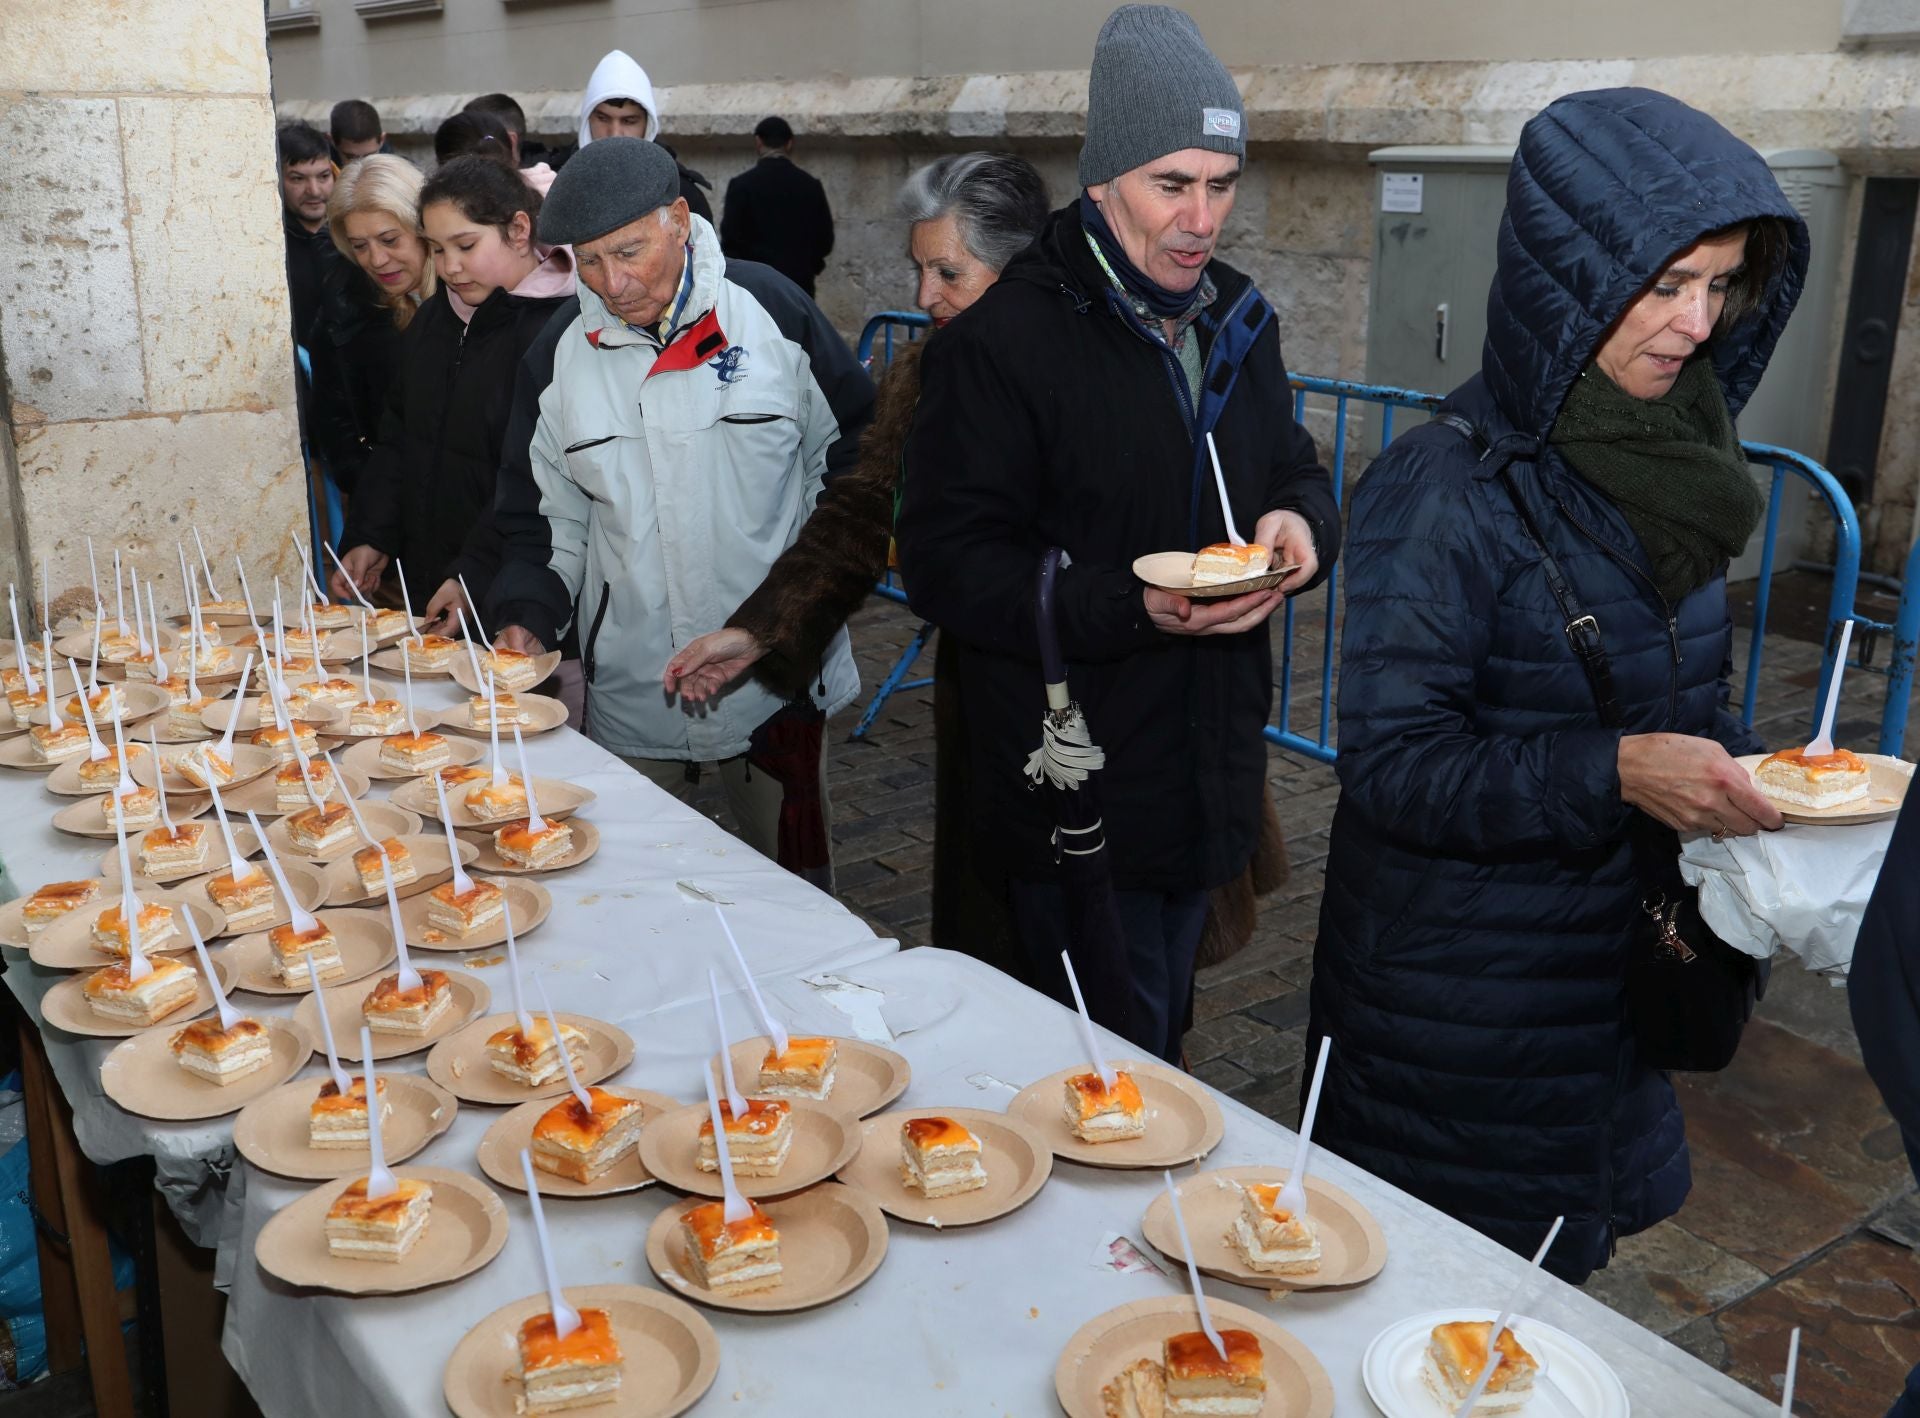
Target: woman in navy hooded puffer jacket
pixel 1481 889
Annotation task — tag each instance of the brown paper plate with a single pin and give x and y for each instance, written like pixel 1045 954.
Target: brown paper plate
pixel 78 645
pixel 262 795
pixel 470 997
pixel 823 1142
pixel 1183 1120
pixel 1297 1385
pixel 85 819
pixel 216 861
pixel 143 699
pixel 459 1064
pixel 669 1354
pixel 528 903
pixel 64 781
pixel 383 820
pixel 249 762
pixel 364 757
pixel 143 1076
pixel 1353 1248
pixel 1016 1158
pixel 67 944
pixel 366 947
pixel 271 1131
pixel 543 667
pixel 393 661
pixel 431 863
pixel 1172 571
pixel 466 1229
pixel 544 714
pixel 566 799
pixel 866 1076
pixel 1887 782
pixel 215 717
pixel 17 753
pixel 65 1006
pixel 586 841
pixel 831 1239
pixel 13 928
pixel 512 1132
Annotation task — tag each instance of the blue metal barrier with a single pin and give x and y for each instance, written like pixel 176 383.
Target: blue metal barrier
pixel 1343 392
pixel 1905 630
pixel 881 328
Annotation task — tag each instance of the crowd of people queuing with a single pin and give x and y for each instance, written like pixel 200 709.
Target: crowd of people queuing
pixel 546 379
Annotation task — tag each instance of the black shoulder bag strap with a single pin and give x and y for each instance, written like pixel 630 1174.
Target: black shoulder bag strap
pixel 1583 631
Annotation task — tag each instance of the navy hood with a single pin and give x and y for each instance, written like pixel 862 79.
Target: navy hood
pixel 1608 187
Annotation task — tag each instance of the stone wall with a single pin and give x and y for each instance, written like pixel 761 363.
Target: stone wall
pixel 145 355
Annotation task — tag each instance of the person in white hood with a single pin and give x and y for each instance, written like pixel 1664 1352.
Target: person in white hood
pixel 619 103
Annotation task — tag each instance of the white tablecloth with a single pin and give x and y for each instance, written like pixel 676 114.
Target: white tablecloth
pixel 958 1322
pixel 623 940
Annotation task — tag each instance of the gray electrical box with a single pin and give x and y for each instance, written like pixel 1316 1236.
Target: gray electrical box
pixel 1436 220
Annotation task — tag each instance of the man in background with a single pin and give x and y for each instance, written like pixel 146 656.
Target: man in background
pixel 777 213
pixel 357 131
pixel 619 103
pixel 529 157
pixel 306 181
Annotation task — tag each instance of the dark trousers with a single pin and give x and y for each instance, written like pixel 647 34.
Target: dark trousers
pixel 1163 935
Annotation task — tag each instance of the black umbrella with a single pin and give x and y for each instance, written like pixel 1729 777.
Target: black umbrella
pixel 1063 768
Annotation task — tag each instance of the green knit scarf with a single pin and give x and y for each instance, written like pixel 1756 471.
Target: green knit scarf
pixel 1673 467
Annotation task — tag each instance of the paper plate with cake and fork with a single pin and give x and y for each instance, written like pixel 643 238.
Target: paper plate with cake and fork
pixel 1119 1114
pixel 1223 569
pixel 944 1167
pixel 1823 785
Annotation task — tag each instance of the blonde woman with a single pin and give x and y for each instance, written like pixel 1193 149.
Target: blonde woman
pixel 366 301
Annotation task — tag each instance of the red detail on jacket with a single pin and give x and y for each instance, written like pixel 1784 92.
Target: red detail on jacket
pixel 699 343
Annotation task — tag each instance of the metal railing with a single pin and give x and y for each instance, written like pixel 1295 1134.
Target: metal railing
pixel 1318 742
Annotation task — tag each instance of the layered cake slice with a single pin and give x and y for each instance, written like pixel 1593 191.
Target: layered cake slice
pixel 1096 1114
pixel 757 1141
pixel 1270 1238
pixel 533 1058
pixel 576 1372
pixel 731 1259
pixel 571 1141
pixel 805 1070
pixel 384 1229
pixel 939 1158
pixel 336 1120
pixel 219 1055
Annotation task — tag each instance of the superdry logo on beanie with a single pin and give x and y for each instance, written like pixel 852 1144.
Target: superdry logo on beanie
pixel 1155 89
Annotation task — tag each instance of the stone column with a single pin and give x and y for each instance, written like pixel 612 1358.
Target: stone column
pixel 146 364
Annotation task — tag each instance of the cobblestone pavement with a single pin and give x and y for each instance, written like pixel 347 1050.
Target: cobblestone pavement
pixel 1802 1210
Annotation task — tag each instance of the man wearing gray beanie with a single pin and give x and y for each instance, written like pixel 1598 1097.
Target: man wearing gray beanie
pixel 1071 406
pixel 667 441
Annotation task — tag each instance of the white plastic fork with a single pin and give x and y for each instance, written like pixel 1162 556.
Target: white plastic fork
pixel 1823 741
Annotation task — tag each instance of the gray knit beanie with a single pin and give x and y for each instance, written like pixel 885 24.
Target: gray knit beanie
pixel 604 186
pixel 1155 89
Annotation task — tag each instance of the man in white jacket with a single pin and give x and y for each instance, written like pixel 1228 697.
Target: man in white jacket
pixel 667 443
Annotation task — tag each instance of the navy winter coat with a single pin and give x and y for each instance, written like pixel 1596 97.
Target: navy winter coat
pixel 1480 890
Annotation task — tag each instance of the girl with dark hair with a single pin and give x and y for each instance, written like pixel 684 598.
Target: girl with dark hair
pixel 426 494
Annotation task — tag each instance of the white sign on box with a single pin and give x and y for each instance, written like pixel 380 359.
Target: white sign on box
pixel 1401 191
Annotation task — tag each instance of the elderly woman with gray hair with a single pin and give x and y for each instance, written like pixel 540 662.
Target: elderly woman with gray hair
pixel 970 214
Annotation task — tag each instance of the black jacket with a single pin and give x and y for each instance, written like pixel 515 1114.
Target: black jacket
pixel 352 345
pixel 777 214
pixel 1049 416
pixel 310 254
pixel 1481 893
pixel 426 494
pixel 1883 981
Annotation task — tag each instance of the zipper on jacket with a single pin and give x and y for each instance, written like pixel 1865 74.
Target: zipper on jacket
pixel 593 634
pixel 1666 607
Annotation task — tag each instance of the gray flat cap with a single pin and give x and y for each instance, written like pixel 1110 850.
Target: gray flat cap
pixel 1155 89
pixel 608 183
